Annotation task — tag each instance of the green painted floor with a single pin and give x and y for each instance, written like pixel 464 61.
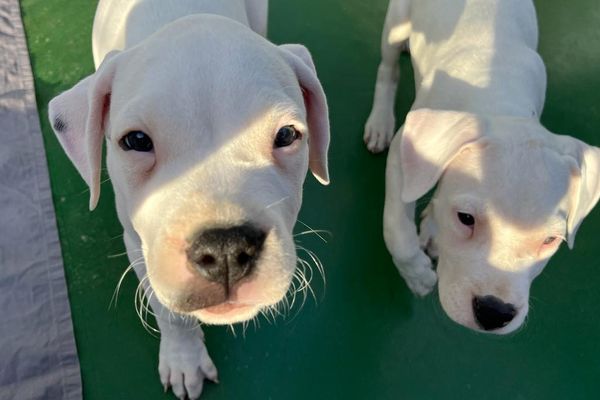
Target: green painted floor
pixel 366 337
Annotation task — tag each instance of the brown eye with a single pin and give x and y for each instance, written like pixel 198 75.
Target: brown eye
pixel 466 219
pixel 550 239
pixel 286 136
pixel 136 141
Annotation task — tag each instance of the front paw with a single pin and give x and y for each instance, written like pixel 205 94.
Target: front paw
pixel 184 362
pixel 418 273
pixel 379 129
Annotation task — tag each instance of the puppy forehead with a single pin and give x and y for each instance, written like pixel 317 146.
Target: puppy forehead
pixel 523 183
pixel 221 75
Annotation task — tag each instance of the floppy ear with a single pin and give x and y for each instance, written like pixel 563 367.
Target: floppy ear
pixel 585 190
pixel 77 117
pixel 430 140
pixel 301 62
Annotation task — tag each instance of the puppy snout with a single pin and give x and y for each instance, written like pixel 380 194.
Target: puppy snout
pixel 226 255
pixel 492 313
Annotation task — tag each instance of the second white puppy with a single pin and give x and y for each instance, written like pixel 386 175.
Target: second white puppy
pixel 509 191
pixel 207 128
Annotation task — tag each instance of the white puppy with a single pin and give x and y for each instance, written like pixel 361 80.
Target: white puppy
pixel 509 191
pixel 207 128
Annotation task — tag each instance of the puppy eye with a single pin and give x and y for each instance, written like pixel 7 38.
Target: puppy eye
pixel 137 141
pixel 286 136
pixel 550 239
pixel 466 219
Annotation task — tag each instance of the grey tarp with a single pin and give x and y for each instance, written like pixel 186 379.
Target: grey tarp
pixel 38 358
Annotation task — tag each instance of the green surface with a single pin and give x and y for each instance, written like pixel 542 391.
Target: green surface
pixel 367 336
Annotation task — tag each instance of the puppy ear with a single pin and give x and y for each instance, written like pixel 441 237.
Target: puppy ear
pixel 315 102
pixel 430 140
pixel 77 117
pixel 585 191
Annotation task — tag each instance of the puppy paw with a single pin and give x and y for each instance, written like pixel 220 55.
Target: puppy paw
pixel 379 130
pixel 418 273
pixel 184 363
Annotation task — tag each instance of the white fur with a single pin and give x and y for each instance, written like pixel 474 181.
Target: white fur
pixel 474 130
pixel 211 94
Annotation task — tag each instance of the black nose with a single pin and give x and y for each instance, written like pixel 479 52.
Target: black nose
pixel 226 255
pixel 492 313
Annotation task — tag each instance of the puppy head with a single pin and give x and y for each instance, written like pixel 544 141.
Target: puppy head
pixel 209 132
pixel 508 193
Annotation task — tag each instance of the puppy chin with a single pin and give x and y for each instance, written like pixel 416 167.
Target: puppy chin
pixel 227 313
pixel 244 304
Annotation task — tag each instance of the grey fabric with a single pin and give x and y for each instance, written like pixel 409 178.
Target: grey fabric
pixel 38 358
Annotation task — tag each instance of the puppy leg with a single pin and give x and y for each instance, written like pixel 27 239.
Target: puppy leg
pixel 183 361
pixel 257 12
pixel 400 231
pixel 379 128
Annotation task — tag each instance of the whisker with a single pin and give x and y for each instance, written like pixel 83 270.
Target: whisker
pixel 148 292
pixel 300 283
pixel 138 303
pixel 324 231
pixel 115 296
pixel 244 328
pixel 307 288
pixel 316 232
pixel 277 202
pixel 117 255
pixel 256 322
pixel 315 260
pixel 232 328
pixel 120 236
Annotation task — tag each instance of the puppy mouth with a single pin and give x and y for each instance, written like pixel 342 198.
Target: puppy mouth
pixel 229 307
pixel 214 301
pixel 226 310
